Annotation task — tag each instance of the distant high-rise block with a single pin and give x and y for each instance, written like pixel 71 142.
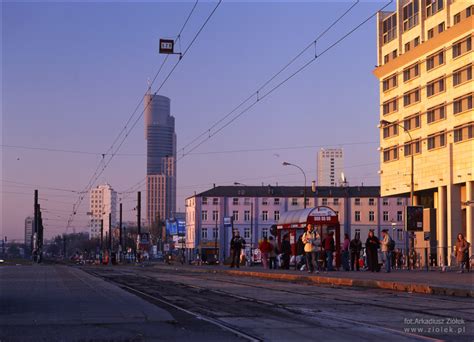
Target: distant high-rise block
pixel 330 166
pixel 103 201
pixel 29 224
pixel 161 159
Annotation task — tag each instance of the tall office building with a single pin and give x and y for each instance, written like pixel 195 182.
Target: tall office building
pixel 161 159
pixel 29 223
pixel 103 201
pixel 330 166
pixel 425 62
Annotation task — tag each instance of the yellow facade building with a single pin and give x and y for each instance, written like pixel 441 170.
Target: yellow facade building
pixel 425 66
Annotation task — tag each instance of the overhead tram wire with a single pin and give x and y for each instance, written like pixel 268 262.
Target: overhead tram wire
pixel 97 174
pixel 255 93
pixel 208 134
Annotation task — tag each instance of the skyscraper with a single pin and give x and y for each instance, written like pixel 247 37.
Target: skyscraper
pixel 161 159
pixel 330 166
pixel 103 201
pixel 29 223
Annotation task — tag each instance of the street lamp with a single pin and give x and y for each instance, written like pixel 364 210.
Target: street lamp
pixel 251 225
pixel 412 153
pixel 304 190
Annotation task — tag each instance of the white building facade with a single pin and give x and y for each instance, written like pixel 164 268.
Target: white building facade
pixel 103 201
pixel 29 223
pixel 330 165
pixel 255 209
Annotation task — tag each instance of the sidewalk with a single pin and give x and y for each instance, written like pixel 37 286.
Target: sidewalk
pixel 427 282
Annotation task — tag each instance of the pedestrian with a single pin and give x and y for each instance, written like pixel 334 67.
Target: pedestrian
pixel 265 249
pixel 236 245
pixel 310 239
pixel 355 248
pixel 387 248
pixel 329 249
pixel 300 258
pixel 286 251
pixel 462 253
pixel 345 252
pixel 273 253
pixel 371 246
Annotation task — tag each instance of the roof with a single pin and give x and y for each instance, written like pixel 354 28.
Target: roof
pixel 290 191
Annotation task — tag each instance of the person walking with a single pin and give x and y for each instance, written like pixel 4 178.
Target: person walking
pixel 273 253
pixel 236 245
pixel 265 249
pixel 286 251
pixel 345 252
pixel 329 249
pixel 355 248
pixel 310 239
pixel 462 253
pixel 387 248
pixel 371 246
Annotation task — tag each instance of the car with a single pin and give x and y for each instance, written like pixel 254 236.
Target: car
pixel 2 261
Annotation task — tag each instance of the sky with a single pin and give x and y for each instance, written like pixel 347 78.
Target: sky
pixel 73 73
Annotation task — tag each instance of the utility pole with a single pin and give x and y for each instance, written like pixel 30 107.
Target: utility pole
pixel 120 231
pixel 110 234
pixel 139 212
pixel 35 224
pixel 101 234
pixel 216 256
pixel 64 246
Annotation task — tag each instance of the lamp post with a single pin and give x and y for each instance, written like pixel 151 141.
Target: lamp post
pixel 304 175
pixel 412 162
pixel 251 226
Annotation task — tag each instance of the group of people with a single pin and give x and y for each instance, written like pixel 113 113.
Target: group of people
pixel 318 252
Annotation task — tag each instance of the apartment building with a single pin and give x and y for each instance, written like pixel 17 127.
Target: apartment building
pixel 103 201
pixel 330 165
pixel 425 62
pixel 255 209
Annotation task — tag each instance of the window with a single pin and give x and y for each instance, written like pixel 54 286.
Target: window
pixel 264 201
pixel 464 132
pixel 204 233
pixel 215 233
pixel 412 122
pixel 294 201
pixel 215 215
pixel 265 215
pixel 335 201
pixel 235 215
pixel 215 201
pixel 411 72
pixel 385 216
pixel 394 54
pixel 386 59
pixel 409 147
pixel 390 130
pixel 324 201
pixel 399 216
pixel 462 75
pixel 441 27
pixel 247 215
pixel 436 140
pixel 410 15
pixel 307 201
pixel 407 47
pixel 461 47
pixel 457 18
pixel 433 6
pixel 430 33
pixel 436 113
pixel 276 201
pixel 357 216
pixel 435 87
pixel 235 201
pixel 400 234
pixel 468 11
pixel 462 104
pixel 371 216
pixel 276 215
pixel 435 60
pixel 371 201
pixel 264 232
pixel 247 201
pixel 246 233
pixel 390 153
pixel 389 28
pixel 385 201
pixel 204 215
pixel 390 106
pixel 416 41
pixel 357 201
pixel 411 97
pixel 389 82
pixel 399 201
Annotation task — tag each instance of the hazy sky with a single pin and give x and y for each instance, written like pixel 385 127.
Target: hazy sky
pixel 72 73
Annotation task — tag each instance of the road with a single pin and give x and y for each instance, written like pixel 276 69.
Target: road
pixel 258 309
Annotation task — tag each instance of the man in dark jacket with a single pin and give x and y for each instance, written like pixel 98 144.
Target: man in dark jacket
pixel 286 251
pixel 329 248
pixel 236 245
pixel 371 246
pixel 355 248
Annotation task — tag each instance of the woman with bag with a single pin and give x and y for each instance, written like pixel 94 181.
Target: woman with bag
pixel 462 253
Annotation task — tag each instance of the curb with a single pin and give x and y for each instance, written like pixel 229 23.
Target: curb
pixel 364 283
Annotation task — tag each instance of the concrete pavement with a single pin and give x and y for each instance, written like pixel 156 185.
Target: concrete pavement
pixel 431 282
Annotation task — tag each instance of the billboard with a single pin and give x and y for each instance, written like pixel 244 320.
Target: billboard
pixel 181 230
pixel 171 227
pixel 414 219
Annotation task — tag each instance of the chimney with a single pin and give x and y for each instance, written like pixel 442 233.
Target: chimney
pixel 214 185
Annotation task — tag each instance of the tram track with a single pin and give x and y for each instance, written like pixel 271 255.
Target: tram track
pixel 151 288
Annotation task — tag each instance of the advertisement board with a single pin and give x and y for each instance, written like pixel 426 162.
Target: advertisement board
pixel 171 227
pixel 414 219
pixel 181 228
